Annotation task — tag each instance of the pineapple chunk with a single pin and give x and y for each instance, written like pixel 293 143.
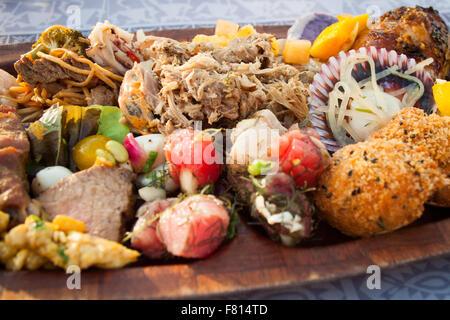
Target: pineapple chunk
pixel 217 41
pixel 245 31
pixel 296 51
pixel 226 28
pixel 276 48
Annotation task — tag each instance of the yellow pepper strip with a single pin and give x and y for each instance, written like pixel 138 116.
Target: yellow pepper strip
pixel 66 224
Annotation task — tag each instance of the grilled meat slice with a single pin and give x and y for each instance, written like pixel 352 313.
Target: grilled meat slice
pixel 101 197
pixel 14 198
pixel 12 132
pixel 15 161
pixel 419 33
pixel 14 150
pixel 41 71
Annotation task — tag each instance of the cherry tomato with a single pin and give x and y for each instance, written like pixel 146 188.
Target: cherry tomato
pixel 194 151
pixel 303 156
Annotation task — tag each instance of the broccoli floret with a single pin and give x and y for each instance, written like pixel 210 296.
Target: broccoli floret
pixel 61 37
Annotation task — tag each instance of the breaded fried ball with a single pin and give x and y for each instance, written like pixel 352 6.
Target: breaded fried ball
pixel 376 186
pixel 415 127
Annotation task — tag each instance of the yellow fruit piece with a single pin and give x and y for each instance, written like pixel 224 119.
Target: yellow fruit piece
pixel 344 16
pixel 85 151
pixel 441 92
pixel 276 49
pixel 66 224
pixel 215 40
pixel 335 38
pixel 296 51
pixel 226 28
pixel 362 20
pixel 245 31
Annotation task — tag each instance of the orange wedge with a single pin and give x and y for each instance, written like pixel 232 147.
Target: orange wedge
pixel 338 37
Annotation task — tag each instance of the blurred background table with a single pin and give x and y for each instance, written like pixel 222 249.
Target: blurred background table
pixel 21 21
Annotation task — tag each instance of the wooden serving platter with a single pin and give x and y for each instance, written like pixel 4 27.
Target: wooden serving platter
pixel 249 263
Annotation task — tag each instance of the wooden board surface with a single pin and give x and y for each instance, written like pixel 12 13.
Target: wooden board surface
pixel 249 263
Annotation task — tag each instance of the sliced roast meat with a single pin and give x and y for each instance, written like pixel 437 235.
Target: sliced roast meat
pixel 145 237
pixel 45 71
pixel 14 150
pixel 100 196
pixel 12 132
pixel 14 198
pixel 195 227
pixel 15 161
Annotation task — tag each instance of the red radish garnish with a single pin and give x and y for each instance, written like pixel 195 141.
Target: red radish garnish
pixel 303 156
pixel 192 159
pixel 136 153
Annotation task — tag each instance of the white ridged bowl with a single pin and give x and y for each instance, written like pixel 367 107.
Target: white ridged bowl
pixel 329 75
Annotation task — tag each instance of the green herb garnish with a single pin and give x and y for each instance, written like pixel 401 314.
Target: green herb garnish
pixel 234 220
pixel 208 189
pixel 157 178
pixel 150 161
pixel 259 167
pixel 38 224
pixel 63 255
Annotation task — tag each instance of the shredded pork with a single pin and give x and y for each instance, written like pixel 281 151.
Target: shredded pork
pixel 219 86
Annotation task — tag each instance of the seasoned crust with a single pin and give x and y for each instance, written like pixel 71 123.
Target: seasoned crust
pixel 377 186
pixel 413 126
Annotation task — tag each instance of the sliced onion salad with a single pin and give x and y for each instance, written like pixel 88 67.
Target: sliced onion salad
pixel 358 108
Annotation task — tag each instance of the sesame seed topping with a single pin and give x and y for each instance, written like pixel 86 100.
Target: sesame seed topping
pixel 356 191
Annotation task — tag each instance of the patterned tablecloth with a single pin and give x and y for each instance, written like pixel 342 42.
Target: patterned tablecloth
pixel 21 20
